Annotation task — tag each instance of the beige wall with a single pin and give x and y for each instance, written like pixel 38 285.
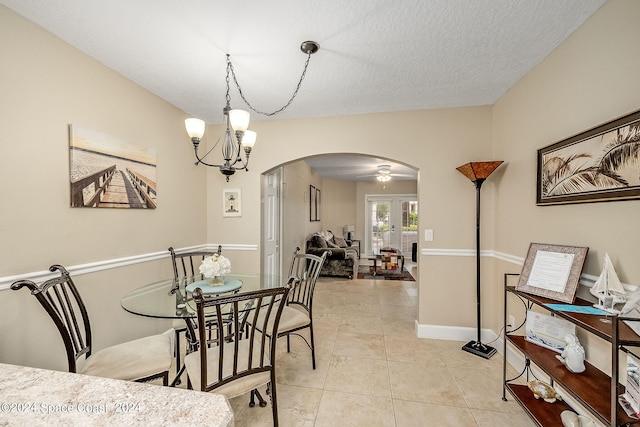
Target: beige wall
pixel 588 80
pixel 296 224
pixel 47 85
pixel 339 200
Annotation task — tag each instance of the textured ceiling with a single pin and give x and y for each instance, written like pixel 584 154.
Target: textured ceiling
pixel 375 55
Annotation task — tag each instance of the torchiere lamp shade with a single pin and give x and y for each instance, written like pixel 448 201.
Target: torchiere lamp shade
pixel 478 170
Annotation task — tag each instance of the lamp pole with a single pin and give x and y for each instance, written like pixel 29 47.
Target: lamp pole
pixel 478 172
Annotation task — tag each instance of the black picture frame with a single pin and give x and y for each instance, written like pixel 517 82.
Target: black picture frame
pixel 597 165
pixel 318 204
pixel 312 203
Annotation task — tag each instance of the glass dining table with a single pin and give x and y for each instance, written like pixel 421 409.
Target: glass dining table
pixel 172 298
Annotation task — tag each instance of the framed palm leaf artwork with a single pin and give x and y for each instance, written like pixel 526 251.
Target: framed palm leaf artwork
pixel 598 165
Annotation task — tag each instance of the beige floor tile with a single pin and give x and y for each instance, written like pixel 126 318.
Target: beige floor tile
pixel 482 389
pixel 412 350
pixel 361 309
pixel 357 375
pixel 429 384
pixel 324 342
pixel 501 419
pixel 397 298
pixel 327 303
pixel 297 407
pixel 361 324
pixel 360 286
pixel 399 327
pixel 296 369
pixel 360 345
pixel 326 321
pixel 352 410
pixel 366 297
pixel 418 414
pixel 400 312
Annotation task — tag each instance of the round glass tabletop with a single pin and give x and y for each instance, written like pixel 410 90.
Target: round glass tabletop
pixel 170 299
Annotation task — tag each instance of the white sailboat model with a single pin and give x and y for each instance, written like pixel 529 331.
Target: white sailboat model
pixel 608 288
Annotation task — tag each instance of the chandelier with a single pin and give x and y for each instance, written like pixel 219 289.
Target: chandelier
pixel 241 139
pixel 384 173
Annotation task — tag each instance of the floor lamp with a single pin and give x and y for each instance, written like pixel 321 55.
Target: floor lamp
pixel 478 172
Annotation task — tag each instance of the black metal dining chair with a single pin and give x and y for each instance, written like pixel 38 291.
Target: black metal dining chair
pixel 186 264
pixel 244 356
pixel 298 314
pixel 140 360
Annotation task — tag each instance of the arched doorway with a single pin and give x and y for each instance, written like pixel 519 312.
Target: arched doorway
pixel 341 183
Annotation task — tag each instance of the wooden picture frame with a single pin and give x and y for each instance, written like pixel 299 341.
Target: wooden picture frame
pixel 552 271
pixel 106 171
pixel 318 204
pixel 312 203
pixel 597 165
pixel 231 203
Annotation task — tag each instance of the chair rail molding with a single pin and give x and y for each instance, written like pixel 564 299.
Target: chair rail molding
pixel 457 333
pixel 94 267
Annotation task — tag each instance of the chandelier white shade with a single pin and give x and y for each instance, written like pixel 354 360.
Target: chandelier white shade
pixel 195 128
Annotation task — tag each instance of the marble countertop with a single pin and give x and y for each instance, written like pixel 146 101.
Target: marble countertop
pixel 33 396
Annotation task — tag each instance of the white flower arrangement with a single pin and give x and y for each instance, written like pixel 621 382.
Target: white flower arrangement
pixel 214 266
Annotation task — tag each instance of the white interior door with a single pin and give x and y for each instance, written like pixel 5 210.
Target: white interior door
pixel 271 262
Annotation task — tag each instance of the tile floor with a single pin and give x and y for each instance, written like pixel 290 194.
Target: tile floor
pixel 373 371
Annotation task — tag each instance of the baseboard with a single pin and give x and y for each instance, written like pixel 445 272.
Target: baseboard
pixel 453 333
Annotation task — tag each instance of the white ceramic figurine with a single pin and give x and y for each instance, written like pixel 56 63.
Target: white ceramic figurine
pixel 573 354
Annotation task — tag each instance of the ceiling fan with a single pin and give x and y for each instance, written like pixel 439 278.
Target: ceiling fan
pixel 383 174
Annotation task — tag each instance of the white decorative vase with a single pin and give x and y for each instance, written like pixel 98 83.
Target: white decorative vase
pixel 216 280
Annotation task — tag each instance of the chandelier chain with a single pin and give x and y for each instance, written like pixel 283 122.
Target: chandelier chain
pixel 235 79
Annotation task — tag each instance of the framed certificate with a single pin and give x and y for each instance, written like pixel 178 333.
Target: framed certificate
pixel 552 271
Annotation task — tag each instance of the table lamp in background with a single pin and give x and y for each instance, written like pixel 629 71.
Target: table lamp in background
pixel 347 231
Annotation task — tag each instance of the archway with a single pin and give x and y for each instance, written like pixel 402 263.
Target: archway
pixel 341 181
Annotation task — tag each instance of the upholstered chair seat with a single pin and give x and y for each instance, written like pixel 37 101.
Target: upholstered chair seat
pixel 121 361
pixel 234 388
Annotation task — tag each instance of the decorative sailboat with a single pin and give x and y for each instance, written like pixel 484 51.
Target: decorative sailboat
pixel 608 288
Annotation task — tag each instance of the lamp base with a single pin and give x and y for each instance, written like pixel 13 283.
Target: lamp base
pixel 479 349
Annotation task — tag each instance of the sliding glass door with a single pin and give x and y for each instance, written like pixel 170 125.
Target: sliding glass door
pixel 391 221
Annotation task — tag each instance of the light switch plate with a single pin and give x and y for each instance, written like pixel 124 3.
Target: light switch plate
pixel 428 235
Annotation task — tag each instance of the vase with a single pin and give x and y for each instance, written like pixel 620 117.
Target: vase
pixel 216 280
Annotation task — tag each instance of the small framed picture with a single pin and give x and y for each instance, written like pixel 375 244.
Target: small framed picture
pixel 312 203
pixel 318 204
pixel 231 203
